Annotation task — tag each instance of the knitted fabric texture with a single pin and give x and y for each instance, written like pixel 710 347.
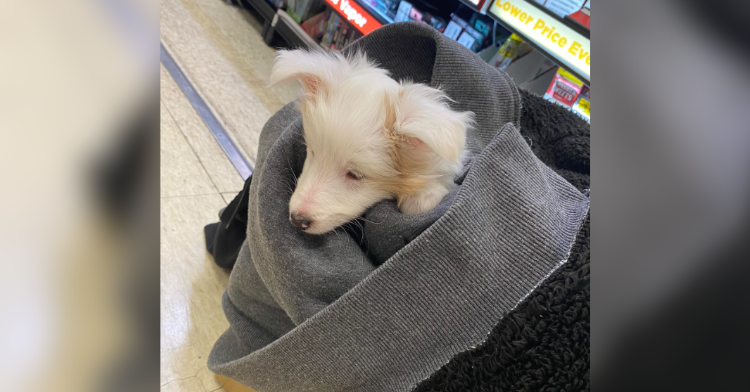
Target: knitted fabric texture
pixel 543 344
pixel 317 313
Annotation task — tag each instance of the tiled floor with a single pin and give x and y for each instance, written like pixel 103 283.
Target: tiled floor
pixel 220 50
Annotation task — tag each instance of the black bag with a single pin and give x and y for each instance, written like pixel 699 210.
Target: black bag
pixel 224 238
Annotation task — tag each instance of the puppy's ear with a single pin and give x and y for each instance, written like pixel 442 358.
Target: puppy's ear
pixel 317 71
pixel 421 115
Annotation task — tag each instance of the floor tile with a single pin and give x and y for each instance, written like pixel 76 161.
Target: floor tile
pixel 233 386
pixel 181 172
pixel 229 196
pixel 236 33
pixel 220 50
pixel 191 289
pixel 219 168
pixel 214 77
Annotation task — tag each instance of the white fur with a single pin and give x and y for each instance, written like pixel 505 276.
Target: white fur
pixel 345 105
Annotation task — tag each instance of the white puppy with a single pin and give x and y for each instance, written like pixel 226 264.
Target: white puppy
pixel 368 138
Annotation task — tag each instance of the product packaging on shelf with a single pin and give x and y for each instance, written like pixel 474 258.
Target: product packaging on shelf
pixel 508 52
pixel 402 15
pixel 564 7
pixel 470 38
pixel 315 26
pixel 301 10
pixel 564 88
pixel 453 30
pixel 338 33
pixel 583 104
pixel 466 33
pixel 569 91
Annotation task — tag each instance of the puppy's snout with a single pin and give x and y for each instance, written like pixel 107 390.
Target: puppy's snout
pixel 300 220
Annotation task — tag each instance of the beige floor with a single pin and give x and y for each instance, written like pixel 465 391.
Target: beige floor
pixel 220 50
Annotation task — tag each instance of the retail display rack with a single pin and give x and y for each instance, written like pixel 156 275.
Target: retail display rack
pixel 559 29
pixel 544 45
pixel 278 21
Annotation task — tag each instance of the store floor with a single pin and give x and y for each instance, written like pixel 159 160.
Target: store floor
pixel 220 50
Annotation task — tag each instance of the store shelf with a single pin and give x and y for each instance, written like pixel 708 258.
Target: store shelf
pixel 372 18
pixel 478 5
pixel 278 21
pixel 264 8
pixel 523 18
pixel 292 33
pixel 576 24
pixel 379 15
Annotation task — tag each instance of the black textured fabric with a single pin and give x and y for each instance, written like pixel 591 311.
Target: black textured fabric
pixel 543 344
pixel 224 239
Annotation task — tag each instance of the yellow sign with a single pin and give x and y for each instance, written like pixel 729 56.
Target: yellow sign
pixel 584 106
pixel 572 49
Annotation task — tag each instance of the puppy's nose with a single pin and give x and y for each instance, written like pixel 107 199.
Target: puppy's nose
pixel 299 220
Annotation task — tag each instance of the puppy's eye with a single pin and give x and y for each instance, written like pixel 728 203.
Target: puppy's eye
pixel 353 176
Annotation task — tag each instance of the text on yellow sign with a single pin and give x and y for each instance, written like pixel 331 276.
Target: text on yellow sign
pixel 542 28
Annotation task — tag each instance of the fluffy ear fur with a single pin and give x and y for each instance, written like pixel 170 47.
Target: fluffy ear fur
pixel 421 115
pixel 317 71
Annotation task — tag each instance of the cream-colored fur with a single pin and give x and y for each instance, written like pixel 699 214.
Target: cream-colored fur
pixel 368 138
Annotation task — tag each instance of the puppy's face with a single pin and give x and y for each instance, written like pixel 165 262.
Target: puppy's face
pixel 368 138
pixel 347 168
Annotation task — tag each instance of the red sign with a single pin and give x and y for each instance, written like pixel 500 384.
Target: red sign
pixel 358 17
pixel 563 90
pixel 582 18
pixel 477 3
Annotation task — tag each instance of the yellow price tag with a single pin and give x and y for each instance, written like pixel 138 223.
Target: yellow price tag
pixel 569 76
pixel 585 106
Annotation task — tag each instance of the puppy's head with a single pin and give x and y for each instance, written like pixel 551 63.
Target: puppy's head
pixel 368 137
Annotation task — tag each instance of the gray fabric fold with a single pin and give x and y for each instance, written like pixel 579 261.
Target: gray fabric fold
pixel 314 313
